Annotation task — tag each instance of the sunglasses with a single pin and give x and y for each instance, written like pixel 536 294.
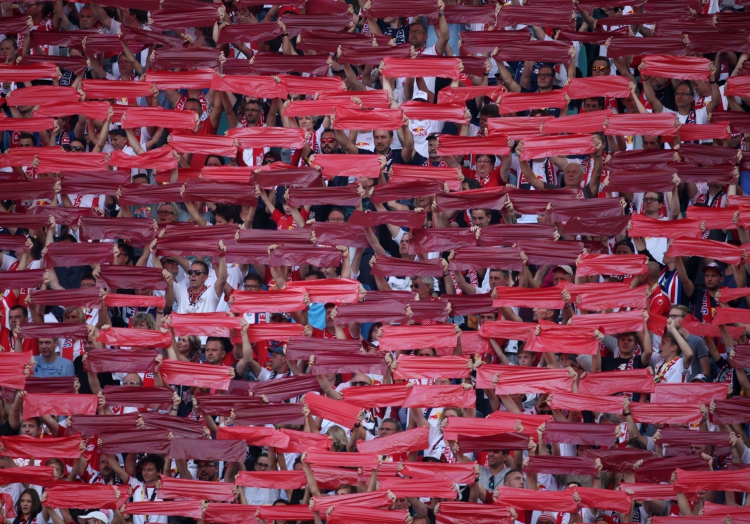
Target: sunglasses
pixel 599 68
pixel 359 383
pixel 164 213
pixel 75 148
pixel 328 140
pixel 168 262
pixel 196 272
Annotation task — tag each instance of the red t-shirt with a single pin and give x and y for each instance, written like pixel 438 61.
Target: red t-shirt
pixel 492 180
pixel 205 128
pixel 287 221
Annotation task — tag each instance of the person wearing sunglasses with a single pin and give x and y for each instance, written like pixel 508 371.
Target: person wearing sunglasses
pixel 196 296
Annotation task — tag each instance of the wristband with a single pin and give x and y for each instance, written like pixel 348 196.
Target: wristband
pixel 712 81
pixel 626 414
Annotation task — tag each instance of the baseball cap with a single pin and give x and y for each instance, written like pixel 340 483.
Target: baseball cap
pixel 98 515
pixel 700 377
pixel 567 269
pixel 712 265
pixel 419 95
pixel 279 350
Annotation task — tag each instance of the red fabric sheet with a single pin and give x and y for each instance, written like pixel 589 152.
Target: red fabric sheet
pixel 117 300
pixel 467 513
pixel 684 68
pixel 578 402
pixel 661 469
pixel 370 500
pixel 636 180
pixel 134 194
pixel 335 411
pixel 75 495
pixel 134 337
pixel 650 491
pixel 310 85
pixel 549 51
pixel 561 465
pixel 663 124
pixel 439 336
pixel 543 147
pixel 199 449
pixel 644 226
pixel 388 266
pixel 120 361
pixel 78 254
pixel 195 374
pixel 523 499
pixel 460 473
pixel 515 380
pixel 689 393
pixel 106 89
pixel 337 196
pixel 592 122
pixel 204 144
pixel 735 411
pixel 718 250
pixel 27 73
pixel 254 436
pixel 196 79
pixel 665 413
pixel 204 324
pixel 85 297
pixel 572 339
pixel 529 297
pixel 42 95
pixel 260 86
pixel 596 86
pixel 485 198
pixel 258 332
pixel 612 323
pixel 387 192
pixel 272 301
pixel 294 479
pixel 172 488
pixel 130 277
pixel 618 459
pixel 431 367
pixel 37 475
pixel 298 255
pixel 445 67
pixel 156 116
pixel 715 218
pixel 601 299
pixel 345 459
pixel 250 137
pixel 379 396
pixel 561 16
pixel 336 362
pixel 408 219
pixel 506 329
pixel 516 102
pixel 183 508
pixel 609 383
pixel 134 230
pixel 437 488
pixel 579 434
pixel 611 265
pixel 137 396
pixel 28 189
pixel 339 291
pixel 24 446
pixel 441 239
pixel 501 440
pixel 416 439
pixel 604 498
pixel 299 441
pixel 74 331
pixel 348 165
pixel 273 64
pixel 453 112
pixel 39 404
pixel 438 396
pixel 362 120
pixel 459 145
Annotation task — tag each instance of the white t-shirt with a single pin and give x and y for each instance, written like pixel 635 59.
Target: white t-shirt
pixel 205 302
pixel 676 372
pixel 698 116
pixel 14 490
pixel 137 486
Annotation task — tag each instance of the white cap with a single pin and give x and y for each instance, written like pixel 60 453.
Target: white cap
pixel 98 515
pixel 419 94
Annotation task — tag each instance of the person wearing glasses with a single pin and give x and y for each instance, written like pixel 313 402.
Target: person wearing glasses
pixel 195 296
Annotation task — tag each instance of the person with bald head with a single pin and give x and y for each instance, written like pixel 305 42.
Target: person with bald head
pixel 573 174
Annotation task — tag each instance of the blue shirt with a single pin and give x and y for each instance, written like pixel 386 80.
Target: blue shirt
pixel 60 367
